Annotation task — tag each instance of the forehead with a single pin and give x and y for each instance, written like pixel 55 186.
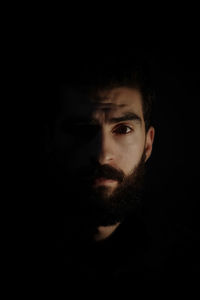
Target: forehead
pixel 110 101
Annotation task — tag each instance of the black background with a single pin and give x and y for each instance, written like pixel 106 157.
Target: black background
pixel 172 179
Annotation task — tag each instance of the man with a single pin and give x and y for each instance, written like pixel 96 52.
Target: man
pixel 99 142
pixel 104 145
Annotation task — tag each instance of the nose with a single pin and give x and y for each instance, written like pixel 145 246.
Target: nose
pixel 102 149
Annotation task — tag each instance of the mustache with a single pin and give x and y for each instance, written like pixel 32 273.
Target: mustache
pixel 104 171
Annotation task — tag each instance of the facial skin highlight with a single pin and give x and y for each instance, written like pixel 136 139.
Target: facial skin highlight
pixel 101 147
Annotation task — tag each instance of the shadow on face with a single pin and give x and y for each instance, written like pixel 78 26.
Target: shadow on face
pixel 100 147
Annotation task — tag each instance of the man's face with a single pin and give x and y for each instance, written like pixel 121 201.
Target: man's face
pixel 101 147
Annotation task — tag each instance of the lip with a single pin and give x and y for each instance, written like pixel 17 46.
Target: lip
pixel 103 181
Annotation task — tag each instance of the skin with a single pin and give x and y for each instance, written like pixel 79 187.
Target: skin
pixel 119 144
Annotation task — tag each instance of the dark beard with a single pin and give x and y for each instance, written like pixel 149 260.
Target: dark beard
pixel 97 207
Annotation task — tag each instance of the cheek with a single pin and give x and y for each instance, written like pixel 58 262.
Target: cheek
pixel 129 159
pixel 129 153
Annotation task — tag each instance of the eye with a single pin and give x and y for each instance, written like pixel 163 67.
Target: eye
pixel 123 129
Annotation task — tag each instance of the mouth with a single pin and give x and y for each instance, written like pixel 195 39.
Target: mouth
pixel 103 181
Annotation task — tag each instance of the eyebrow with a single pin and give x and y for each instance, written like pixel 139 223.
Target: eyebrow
pixel 127 116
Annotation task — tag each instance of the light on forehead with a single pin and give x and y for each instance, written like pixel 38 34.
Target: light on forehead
pixel 107 105
pixel 100 104
pixel 117 102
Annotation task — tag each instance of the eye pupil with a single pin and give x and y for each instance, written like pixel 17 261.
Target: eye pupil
pixel 123 130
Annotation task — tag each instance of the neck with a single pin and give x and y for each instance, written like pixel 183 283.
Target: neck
pixel 104 232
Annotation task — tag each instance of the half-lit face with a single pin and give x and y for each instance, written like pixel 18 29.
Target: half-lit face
pixel 100 139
